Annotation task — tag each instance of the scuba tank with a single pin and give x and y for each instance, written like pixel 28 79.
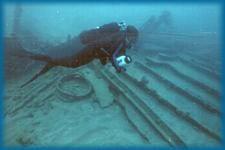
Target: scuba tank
pixel 93 35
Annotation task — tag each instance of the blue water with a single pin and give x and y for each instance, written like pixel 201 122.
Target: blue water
pixel 169 95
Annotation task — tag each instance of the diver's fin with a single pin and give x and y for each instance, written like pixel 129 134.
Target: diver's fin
pixel 46 68
pixel 13 47
pixel 38 57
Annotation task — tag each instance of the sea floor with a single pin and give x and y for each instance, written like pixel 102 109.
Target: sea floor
pixel 162 100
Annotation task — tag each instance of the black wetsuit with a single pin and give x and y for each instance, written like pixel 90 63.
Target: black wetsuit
pixel 102 43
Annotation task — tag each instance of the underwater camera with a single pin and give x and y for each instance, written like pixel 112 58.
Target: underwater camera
pixel 123 60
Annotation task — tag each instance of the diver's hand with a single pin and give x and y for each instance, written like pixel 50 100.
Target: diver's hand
pixel 120 69
pixel 115 65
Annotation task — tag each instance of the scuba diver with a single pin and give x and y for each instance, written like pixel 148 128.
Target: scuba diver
pixel 108 43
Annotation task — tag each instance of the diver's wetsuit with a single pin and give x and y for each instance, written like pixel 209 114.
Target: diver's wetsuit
pixel 109 44
pixel 105 43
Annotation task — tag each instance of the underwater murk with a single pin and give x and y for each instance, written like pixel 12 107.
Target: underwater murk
pixel 112 74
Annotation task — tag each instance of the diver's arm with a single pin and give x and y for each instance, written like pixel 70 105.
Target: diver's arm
pixel 114 56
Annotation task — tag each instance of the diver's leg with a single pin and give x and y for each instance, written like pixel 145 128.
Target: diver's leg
pixel 40 57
